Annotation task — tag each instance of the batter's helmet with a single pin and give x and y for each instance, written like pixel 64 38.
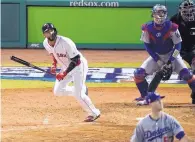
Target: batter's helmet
pixel 49 26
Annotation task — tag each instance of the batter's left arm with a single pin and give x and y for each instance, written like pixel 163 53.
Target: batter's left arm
pixel 74 62
pixel 73 54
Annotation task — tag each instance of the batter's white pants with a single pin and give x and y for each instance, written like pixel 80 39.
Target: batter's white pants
pixel 78 76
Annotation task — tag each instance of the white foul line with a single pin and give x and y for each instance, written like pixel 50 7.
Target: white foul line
pixel 26 128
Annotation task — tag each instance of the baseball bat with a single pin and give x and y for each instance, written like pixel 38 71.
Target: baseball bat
pixel 18 60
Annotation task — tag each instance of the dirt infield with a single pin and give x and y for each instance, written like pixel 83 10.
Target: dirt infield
pixel 35 115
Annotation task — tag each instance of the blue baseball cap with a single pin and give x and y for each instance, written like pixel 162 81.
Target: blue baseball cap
pixel 152 97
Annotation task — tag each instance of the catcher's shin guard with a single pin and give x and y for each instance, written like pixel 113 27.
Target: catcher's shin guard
pixel 140 81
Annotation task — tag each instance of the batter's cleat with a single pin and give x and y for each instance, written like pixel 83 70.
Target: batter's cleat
pixel 139 99
pixel 86 92
pixel 193 101
pixel 91 118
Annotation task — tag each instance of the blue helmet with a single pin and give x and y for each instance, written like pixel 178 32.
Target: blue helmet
pixel 187 10
pixel 49 26
pixel 152 97
pixel 159 13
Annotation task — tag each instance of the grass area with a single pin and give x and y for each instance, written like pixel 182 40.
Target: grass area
pixel 14 84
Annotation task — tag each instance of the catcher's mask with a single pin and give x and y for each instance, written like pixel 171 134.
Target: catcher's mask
pixel 187 10
pixel 159 13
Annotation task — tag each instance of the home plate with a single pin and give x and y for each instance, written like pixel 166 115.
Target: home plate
pixel 139 118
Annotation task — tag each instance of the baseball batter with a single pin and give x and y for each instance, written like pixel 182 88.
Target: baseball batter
pixel 162 41
pixel 74 68
pixel 158 126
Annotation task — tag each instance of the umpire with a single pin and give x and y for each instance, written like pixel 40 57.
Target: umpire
pixel 185 19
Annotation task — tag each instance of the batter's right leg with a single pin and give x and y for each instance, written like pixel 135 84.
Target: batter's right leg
pixel 80 92
pixel 148 67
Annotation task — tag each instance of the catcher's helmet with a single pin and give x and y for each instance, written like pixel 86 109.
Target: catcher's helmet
pixel 49 26
pixel 187 10
pixel 159 13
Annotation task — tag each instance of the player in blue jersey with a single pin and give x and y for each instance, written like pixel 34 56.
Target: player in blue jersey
pixel 158 126
pixel 162 41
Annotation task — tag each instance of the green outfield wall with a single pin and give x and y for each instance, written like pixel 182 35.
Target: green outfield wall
pixel 99 24
pixel 89 25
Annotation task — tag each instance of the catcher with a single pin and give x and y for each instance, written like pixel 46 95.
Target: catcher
pixel 162 41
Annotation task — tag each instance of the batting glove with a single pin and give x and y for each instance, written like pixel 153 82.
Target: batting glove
pixel 61 75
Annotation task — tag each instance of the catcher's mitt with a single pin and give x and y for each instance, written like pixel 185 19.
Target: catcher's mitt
pixel 166 71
